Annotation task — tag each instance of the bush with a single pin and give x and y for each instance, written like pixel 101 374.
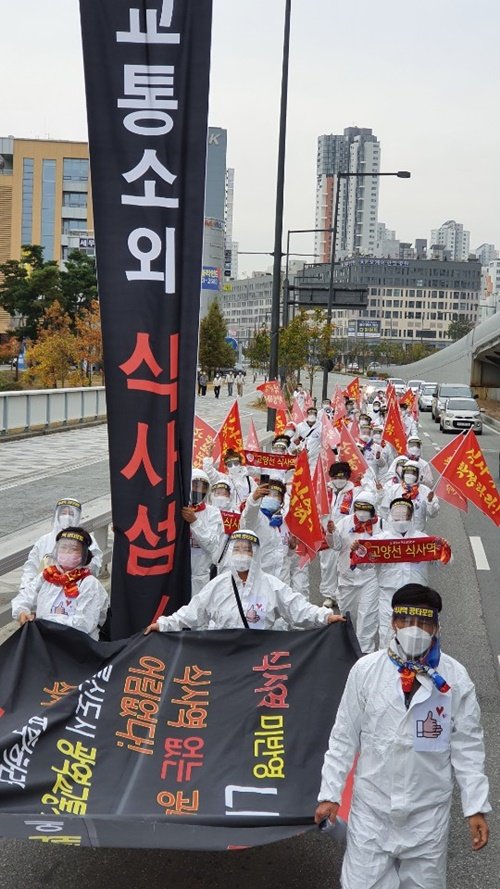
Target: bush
pixel 8 383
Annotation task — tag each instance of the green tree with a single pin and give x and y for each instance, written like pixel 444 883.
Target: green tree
pixel 28 287
pixel 321 348
pixel 78 284
pixel 293 349
pixel 213 350
pixel 258 349
pixel 458 328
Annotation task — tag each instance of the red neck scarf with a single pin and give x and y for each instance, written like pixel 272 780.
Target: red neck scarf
pixel 364 527
pixel 410 492
pixel 200 507
pixel 68 580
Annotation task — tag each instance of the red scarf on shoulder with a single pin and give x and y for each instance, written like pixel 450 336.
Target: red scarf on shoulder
pixel 68 580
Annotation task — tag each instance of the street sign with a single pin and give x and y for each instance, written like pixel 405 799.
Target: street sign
pixel 232 342
pixel 343 297
pixel 368 327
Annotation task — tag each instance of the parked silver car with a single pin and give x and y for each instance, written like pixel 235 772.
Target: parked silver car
pixel 425 396
pixel 460 414
pixel 445 391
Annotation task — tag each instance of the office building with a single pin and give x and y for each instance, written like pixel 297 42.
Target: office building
pixel 247 306
pixel 44 197
pixel 357 150
pixel 409 300
pixel 486 253
pixel 453 239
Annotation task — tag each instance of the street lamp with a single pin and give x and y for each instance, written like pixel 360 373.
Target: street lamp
pixel 401 174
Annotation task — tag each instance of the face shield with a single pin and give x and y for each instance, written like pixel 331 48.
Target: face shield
pixel 401 515
pixel 271 503
pixel 399 468
pixel 243 555
pixel 311 418
pixel 279 447
pixel 364 433
pixel 415 628
pixel 67 514
pixel 72 549
pixel 410 473
pixel 220 496
pixel 200 487
pixel 234 466
pixel 414 447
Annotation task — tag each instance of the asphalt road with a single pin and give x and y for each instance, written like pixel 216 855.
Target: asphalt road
pixel 471 633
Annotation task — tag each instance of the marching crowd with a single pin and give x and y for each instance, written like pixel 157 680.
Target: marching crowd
pixel 258 577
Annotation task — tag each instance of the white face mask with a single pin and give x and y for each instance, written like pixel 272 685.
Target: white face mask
pixel 221 502
pixel 414 641
pixel 311 421
pixel 339 483
pixel 236 471
pixel 410 478
pixel 414 451
pixel 362 514
pixel 241 562
pixel 290 433
pixel 364 436
pixel 401 526
pixel 377 436
pixel 65 521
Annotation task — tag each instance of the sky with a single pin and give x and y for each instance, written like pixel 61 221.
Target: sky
pixel 425 77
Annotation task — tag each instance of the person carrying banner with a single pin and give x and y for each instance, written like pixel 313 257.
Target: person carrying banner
pixel 341 491
pixel 67 514
pixel 357 591
pixel 425 503
pixel 237 475
pixel 414 730
pixel 66 591
pixel 246 596
pixel 263 513
pixel 392 575
pixel 220 497
pixel 409 423
pixel 308 435
pixel 414 451
pixel 206 530
pixel 280 445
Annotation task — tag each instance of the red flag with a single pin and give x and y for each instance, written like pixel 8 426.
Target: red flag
pixel 302 517
pixel 229 434
pixel 468 472
pixel 321 489
pixel 272 394
pixel 350 452
pixel 280 422
pixel 308 402
pixel 394 431
pixel 298 414
pixel 231 521
pixel 203 439
pixel 339 409
pixel 390 395
pixel 252 442
pixel 354 429
pixel 446 491
pixel 442 458
pixel 353 390
pixel 330 436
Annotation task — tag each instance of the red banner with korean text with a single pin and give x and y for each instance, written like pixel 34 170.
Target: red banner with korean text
pixel 230 434
pixel 263 459
pixel 443 488
pixel 394 431
pixel 414 549
pixel 146 78
pixel 302 517
pixel 252 443
pixel 273 395
pixel 353 390
pixel 205 442
pixel 280 422
pixel 339 408
pixel 469 474
pixel 231 521
pixel 349 451
pixel 298 415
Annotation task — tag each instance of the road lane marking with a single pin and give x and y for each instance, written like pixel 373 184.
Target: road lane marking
pixel 482 563
pixel 426 434
pixel 487 426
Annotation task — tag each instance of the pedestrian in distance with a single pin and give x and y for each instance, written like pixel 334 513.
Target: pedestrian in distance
pixel 240 380
pixel 203 379
pixel 414 730
pixel 230 383
pixel 217 384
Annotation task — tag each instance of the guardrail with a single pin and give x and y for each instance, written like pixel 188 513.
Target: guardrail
pixel 40 409
pixel 96 517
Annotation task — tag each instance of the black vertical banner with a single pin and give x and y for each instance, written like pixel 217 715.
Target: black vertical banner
pixel 146 75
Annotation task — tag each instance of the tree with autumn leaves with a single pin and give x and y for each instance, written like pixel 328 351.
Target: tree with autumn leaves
pixel 61 356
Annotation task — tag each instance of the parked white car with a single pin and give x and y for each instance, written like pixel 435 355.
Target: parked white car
pixel 399 385
pixel 460 414
pixel 415 385
pixel 425 396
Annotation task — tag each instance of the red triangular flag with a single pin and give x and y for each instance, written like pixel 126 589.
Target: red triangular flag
pixel 272 394
pixel 350 452
pixel 339 409
pixel 321 489
pixel 229 434
pixel 252 442
pixel 353 390
pixel 469 474
pixel 302 517
pixel 298 414
pixel 204 436
pixel 280 422
pixel 394 431
pixel 446 491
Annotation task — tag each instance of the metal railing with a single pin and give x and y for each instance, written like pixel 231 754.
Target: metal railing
pixel 42 409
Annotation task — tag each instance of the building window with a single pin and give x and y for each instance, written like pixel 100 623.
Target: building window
pixel 76 168
pixel 27 210
pixel 48 208
pixel 75 199
pixel 74 225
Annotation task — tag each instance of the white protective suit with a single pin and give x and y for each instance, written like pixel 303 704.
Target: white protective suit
pixel 409 423
pixel 206 534
pixel 310 441
pixel 424 468
pixel 393 575
pixel 341 505
pixel 238 479
pixel 86 612
pixel 423 509
pixel 377 456
pixel 397 831
pixel 40 555
pixel 267 603
pixel 357 591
